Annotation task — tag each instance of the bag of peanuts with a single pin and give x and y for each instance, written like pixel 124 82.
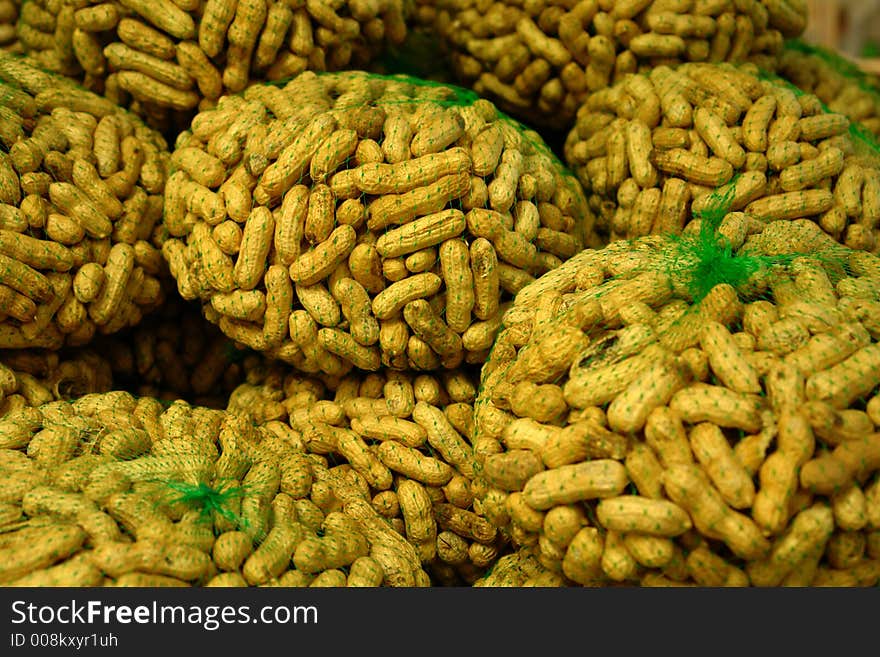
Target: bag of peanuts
pixel 354 220
pixel 81 191
pixel 166 59
pixel 403 439
pixel 175 354
pixel 112 490
pixel 30 378
pixel 540 59
pixel 652 149
pixel 681 412
pixel 836 81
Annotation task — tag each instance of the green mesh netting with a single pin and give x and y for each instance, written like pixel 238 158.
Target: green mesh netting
pixel 697 263
pixel 208 501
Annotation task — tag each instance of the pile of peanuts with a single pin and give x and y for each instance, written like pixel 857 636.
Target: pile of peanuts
pixel 81 192
pixel 30 377
pixel 653 150
pixel 404 439
pixel 857 97
pixel 357 330
pixel 84 501
pixel 626 435
pixel 168 56
pixel 349 220
pixel 174 354
pixel 358 481
pixel 541 59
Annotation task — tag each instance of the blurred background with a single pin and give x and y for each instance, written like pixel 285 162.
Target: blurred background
pixel 852 27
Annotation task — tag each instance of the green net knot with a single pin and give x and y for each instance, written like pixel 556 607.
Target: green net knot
pixel 209 501
pixel 697 262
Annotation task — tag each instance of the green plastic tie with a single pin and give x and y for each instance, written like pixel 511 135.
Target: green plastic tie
pixel 208 500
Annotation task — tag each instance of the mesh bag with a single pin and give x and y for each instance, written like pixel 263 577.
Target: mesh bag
pixel 351 219
pixel 835 80
pixel 113 490
pixel 31 378
pixel 175 354
pixel 540 60
pixel 166 58
pixel 654 146
pixel 404 439
pixel 681 412
pixel 82 190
